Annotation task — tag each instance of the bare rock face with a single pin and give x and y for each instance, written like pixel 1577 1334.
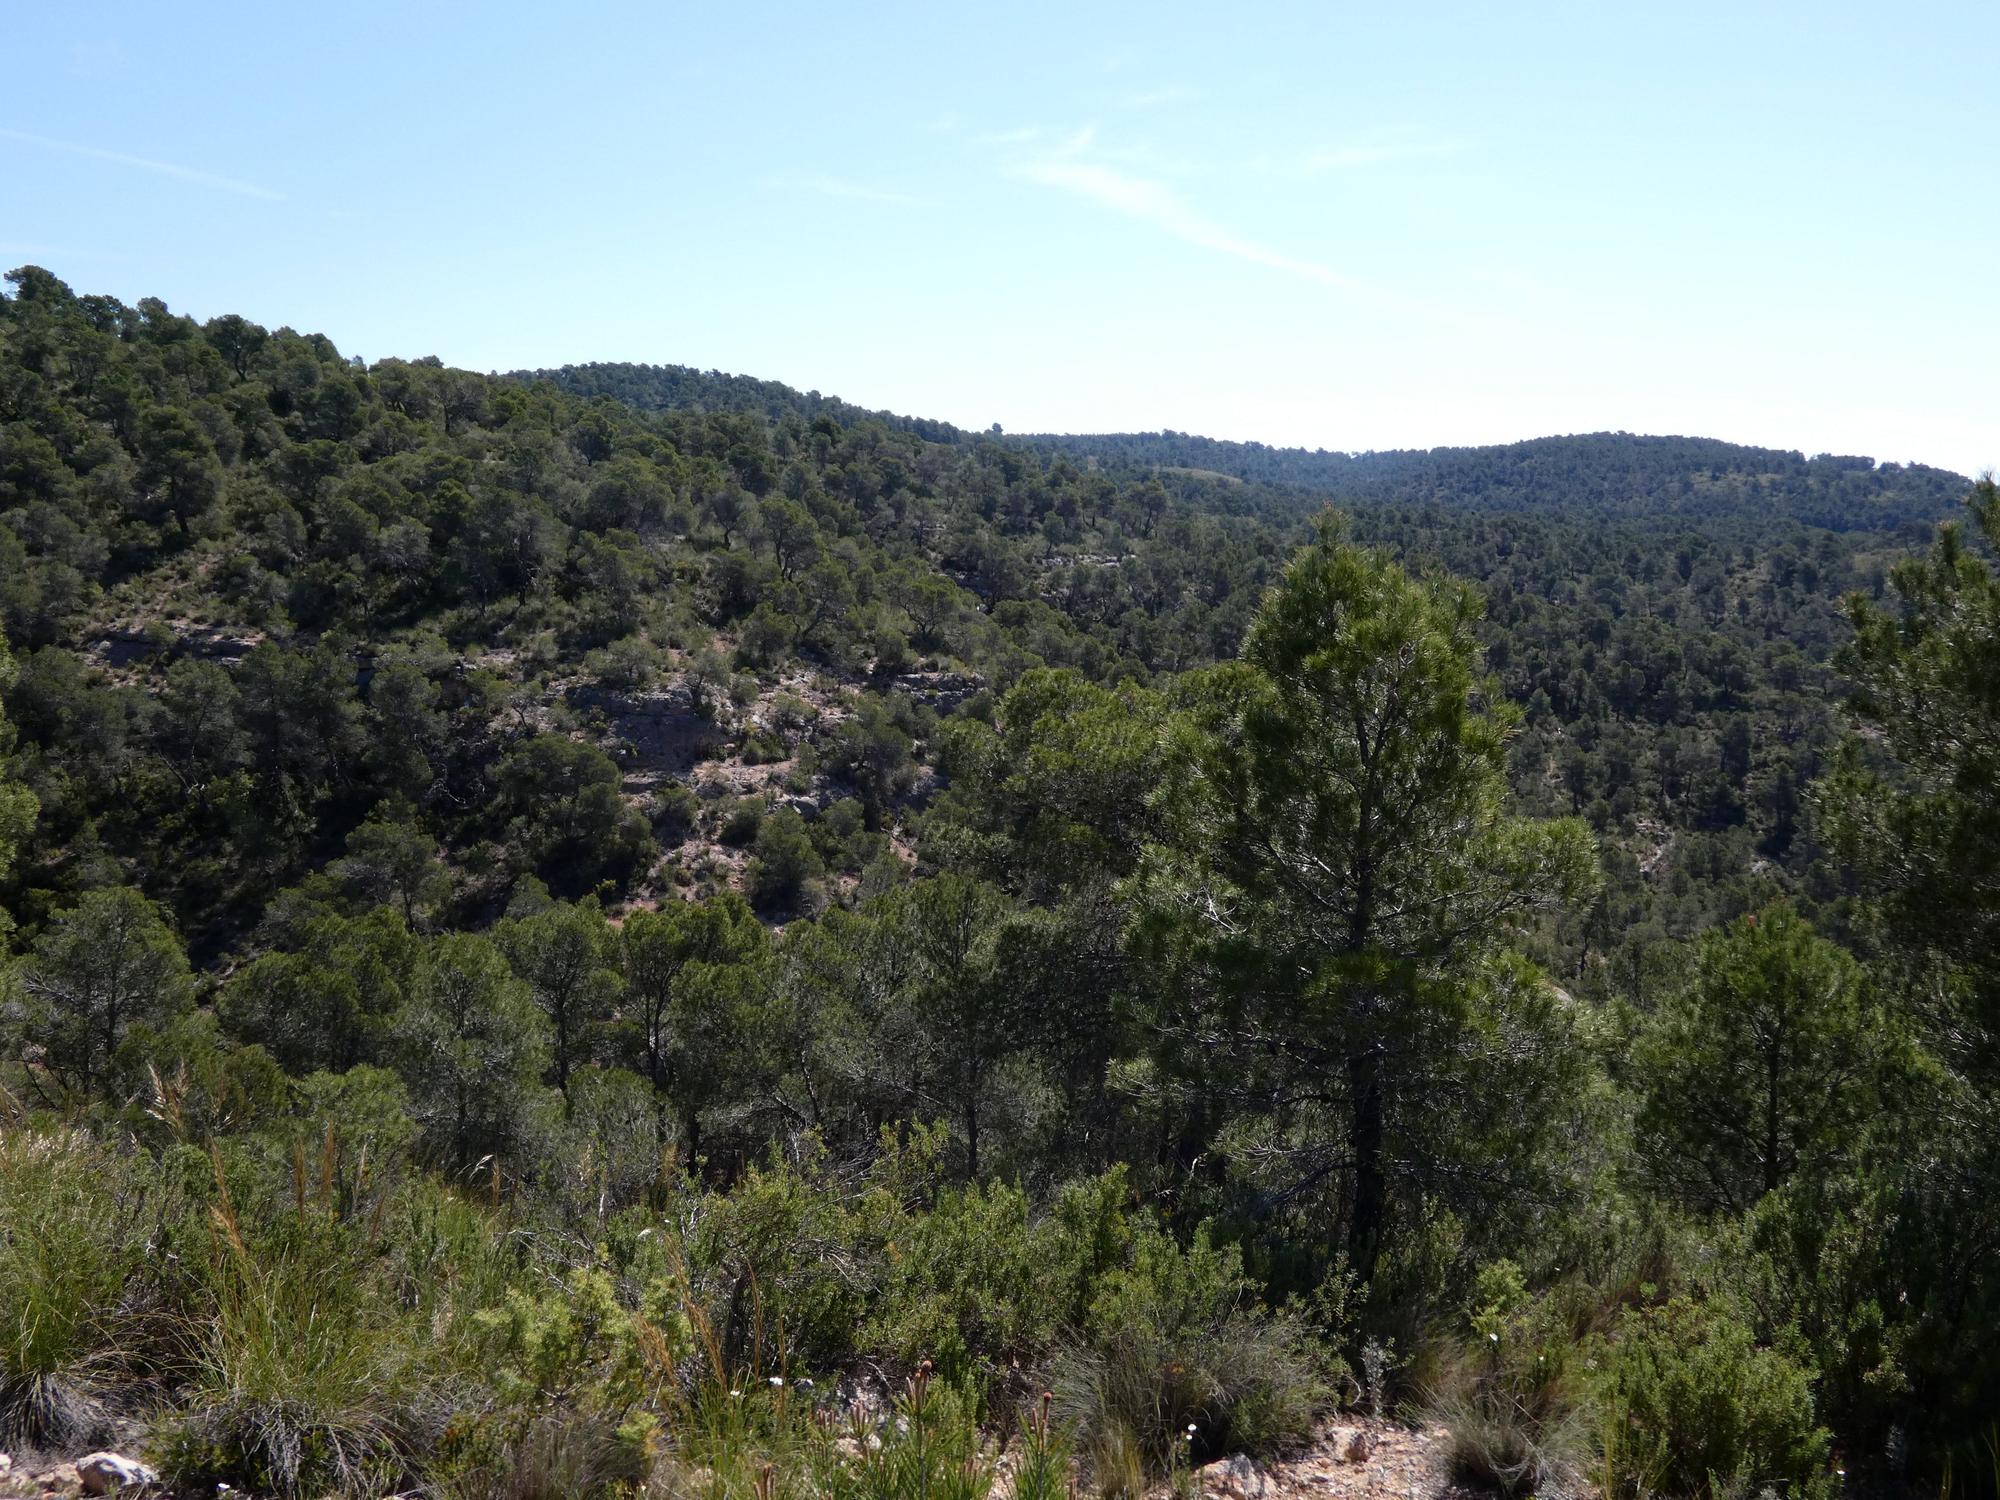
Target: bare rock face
pixel 111 1473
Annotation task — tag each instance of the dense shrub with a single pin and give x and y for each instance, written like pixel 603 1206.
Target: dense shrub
pixel 1692 1406
pixel 628 664
pixel 984 1279
pixel 741 822
pixel 783 862
pixel 567 1373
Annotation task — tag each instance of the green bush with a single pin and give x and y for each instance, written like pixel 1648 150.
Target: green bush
pixel 1692 1406
pixel 783 861
pixel 981 1279
pixel 783 1233
pixel 568 1373
pixel 675 811
pixel 841 835
pixel 740 823
pixel 630 663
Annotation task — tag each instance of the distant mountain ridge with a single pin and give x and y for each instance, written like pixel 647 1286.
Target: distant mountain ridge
pixel 1619 473
pixel 1628 475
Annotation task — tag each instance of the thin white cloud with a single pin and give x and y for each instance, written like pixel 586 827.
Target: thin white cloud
pixel 1155 203
pixel 147 164
pixel 1136 182
pixel 841 187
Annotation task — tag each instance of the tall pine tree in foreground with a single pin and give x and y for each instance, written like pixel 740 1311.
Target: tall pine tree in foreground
pixel 1915 806
pixel 1927 679
pixel 1332 909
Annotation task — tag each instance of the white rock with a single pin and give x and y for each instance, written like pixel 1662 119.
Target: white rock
pixel 108 1473
pixel 1236 1476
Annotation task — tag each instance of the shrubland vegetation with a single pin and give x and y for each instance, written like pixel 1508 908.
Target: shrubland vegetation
pixel 562 929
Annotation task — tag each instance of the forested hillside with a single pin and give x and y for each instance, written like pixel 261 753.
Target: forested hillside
pixel 1602 475
pixel 544 913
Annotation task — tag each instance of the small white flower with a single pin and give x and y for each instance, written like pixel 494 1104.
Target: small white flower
pixel 1492 1338
pixel 777 1380
pixel 735 1395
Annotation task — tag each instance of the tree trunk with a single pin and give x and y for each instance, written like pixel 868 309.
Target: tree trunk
pixel 1771 1071
pixel 656 1074
pixel 1371 1188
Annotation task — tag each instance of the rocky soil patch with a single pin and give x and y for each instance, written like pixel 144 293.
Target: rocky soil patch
pixel 1351 1456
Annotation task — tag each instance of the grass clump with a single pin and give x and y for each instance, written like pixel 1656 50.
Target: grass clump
pixel 1047 1447
pixel 1181 1364
pixel 1117 1460
pixel 1516 1409
pixel 1517 1427
pixel 556 1456
pixel 302 1382
pixel 74 1225
pixel 929 1449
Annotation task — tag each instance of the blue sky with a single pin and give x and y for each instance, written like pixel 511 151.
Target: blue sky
pixel 1332 225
